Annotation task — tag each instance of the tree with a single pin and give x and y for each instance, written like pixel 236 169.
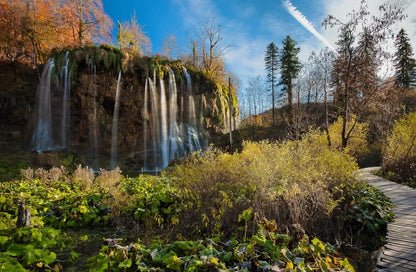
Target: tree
pixel 255 99
pixel 88 20
pixel 404 62
pixel 207 50
pixel 355 68
pixel 289 67
pixel 169 46
pixel 31 29
pixel 271 63
pixel 323 62
pixel 133 37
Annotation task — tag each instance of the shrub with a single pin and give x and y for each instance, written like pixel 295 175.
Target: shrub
pixel 368 213
pixel 399 154
pixel 294 183
pixel 357 144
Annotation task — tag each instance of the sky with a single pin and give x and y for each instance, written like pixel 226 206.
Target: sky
pixel 248 26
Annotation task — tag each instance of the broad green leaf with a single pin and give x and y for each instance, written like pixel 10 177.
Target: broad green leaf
pixel 125 264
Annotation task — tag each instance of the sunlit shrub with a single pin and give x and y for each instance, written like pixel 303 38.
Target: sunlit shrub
pixel 52 175
pixel 292 182
pixel 357 145
pixel 27 173
pixel 83 175
pixel 399 154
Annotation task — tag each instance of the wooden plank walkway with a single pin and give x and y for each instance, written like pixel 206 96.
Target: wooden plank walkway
pixel 399 254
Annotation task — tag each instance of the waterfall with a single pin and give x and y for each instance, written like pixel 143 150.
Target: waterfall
pixel 175 142
pixel 155 129
pixel 42 139
pixel 191 102
pixel 172 136
pixel 193 138
pixel 115 125
pixel 66 88
pixel 164 126
pixel 145 119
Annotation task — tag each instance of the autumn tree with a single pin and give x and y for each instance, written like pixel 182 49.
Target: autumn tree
pixel 272 64
pixel 133 37
pixel 404 62
pixel 87 20
pixel 169 46
pixel 31 29
pixel 11 41
pixel 289 69
pixel 208 49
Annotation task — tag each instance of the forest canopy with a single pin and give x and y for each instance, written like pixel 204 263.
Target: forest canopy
pixel 29 30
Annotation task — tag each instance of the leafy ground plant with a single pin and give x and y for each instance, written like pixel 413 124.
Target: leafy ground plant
pixel 258 252
pixel 34 249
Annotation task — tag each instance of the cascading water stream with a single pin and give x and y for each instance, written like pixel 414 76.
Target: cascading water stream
pixel 193 139
pixel 66 88
pixel 164 146
pixel 114 128
pixel 175 142
pixel 155 129
pixel 191 102
pixel 42 139
pixel 145 119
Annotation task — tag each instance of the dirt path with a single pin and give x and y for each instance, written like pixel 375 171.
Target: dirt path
pixel 399 253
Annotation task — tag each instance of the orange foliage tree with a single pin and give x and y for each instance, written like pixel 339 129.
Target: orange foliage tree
pixel 29 30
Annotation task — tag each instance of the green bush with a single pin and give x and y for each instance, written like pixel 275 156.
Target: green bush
pixel 368 213
pixel 399 154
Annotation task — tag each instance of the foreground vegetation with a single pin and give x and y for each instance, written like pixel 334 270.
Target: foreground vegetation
pixel 291 205
pixel 399 154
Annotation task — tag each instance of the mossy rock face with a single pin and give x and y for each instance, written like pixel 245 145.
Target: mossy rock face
pixel 17 98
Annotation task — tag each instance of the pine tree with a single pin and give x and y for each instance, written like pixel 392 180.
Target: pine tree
pixel 403 61
pixel 366 63
pixel 290 67
pixel 271 60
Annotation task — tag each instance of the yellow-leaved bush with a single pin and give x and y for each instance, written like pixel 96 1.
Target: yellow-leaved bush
pixel 399 154
pixel 295 183
pixel 357 145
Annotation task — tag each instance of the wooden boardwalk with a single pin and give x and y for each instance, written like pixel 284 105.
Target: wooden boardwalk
pixel 399 254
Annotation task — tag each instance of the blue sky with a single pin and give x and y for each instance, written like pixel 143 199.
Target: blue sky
pixel 248 26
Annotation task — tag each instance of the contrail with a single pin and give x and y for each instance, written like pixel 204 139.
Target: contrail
pixel 308 25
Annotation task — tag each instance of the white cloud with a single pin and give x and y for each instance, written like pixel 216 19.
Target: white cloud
pixel 194 12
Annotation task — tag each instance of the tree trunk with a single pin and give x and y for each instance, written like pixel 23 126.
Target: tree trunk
pixel 290 102
pixel 230 108
pixel 23 215
pixel 328 136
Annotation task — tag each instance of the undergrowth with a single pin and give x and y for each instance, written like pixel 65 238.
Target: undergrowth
pixel 273 205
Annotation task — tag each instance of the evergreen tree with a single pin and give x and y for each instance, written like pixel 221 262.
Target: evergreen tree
pixel 367 65
pixel 290 67
pixel 403 61
pixel 271 60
